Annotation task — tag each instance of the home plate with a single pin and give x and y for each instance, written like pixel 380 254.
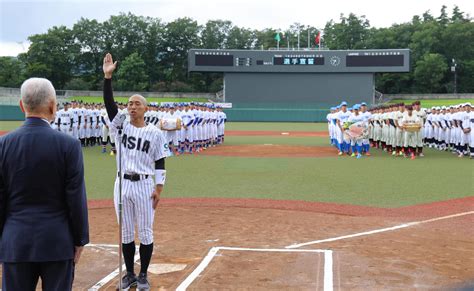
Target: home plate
pixel 158 269
pixel 285 133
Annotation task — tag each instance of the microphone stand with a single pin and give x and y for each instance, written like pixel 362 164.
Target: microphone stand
pixel 120 204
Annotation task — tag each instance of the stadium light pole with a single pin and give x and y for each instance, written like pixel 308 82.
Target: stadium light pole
pixel 453 69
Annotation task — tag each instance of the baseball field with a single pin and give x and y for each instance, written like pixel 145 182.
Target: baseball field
pixel 275 208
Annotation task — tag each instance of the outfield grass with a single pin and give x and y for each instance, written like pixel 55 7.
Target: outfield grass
pixel 277 126
pixel 89 99
pixel 380 180
pixel 9 125
pixel 435 102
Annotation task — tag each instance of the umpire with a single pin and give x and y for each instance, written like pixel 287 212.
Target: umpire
pixel 43 206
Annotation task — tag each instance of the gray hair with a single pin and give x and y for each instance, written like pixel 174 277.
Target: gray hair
pixel 37 93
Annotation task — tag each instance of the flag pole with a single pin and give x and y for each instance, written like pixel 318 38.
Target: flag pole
pixel 298 39
pixel 319 39
pixel 308 38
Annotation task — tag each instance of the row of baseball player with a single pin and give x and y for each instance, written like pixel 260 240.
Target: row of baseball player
pixel 403 130
pixel 194 127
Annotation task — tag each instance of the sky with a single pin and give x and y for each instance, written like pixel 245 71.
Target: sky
pixel 20 19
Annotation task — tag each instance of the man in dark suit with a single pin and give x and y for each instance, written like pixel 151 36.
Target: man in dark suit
pixel 43 205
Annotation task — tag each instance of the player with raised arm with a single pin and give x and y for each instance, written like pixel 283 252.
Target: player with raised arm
pixel 142 155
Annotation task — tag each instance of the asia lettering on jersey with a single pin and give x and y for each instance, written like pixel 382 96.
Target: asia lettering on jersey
pixel 144 144
pixel 135 143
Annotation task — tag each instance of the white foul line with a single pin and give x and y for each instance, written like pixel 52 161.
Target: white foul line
pixel 328 275
pixel 114 274
pixel 405 225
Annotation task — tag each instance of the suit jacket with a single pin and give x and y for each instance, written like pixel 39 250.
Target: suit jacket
pixel 43 204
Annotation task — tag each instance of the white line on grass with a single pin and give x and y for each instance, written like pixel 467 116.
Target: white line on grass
pixel 404 225
pixel 328 275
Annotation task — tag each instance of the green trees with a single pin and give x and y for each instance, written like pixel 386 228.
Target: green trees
pixel 152 54
pixel 131 74
pixel 429 73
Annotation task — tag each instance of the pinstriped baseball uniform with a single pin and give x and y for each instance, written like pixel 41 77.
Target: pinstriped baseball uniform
pixel 141 147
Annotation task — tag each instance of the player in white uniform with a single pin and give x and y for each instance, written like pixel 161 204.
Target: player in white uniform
pixel 469 125
pixel 342 117
pixel 222 119
pixel 107 135
pixel 81 113
pixel 366 115
pixel 187 118
pixel 75 120
pixel 65 120
pixel 465 132
pixel 399 134
pixel 411 138
pixel 421 113
pixel 54 123
pixel 356 144
pixel 143 150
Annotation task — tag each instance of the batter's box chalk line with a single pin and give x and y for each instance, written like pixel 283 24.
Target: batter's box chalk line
pixel 328 263
pixel 156 269
pixel 375 231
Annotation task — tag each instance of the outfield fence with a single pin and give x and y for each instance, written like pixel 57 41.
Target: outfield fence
pixel 388 97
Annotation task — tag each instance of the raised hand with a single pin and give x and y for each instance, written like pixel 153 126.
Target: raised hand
pixel 109 66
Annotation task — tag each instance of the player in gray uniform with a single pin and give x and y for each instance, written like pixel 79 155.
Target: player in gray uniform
pixel 143 153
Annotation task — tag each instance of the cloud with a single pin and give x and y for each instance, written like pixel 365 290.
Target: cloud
pixel 13 48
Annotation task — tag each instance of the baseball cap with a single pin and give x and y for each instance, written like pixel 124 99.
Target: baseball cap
pixel 343 103
pixel 363 104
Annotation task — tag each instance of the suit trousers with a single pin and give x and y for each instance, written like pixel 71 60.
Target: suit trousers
pixel 55 276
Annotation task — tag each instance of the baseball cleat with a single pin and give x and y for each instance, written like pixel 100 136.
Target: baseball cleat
pixel 353 155
pixel 339 153
pixel 142 281
pixel 129 280
pixel 359 156
pixel 112 154
pixel 368 154
pixel 104 150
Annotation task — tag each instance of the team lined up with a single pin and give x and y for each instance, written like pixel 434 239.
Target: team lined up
pixel 403 130
pixel 196 126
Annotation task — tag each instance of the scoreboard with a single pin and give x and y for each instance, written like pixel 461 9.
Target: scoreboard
pixel 302 61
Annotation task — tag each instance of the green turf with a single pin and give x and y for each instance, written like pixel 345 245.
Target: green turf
pixel 380 180
pixel 278 126
pixel 9 125
pixel 435 102
pixel 90 99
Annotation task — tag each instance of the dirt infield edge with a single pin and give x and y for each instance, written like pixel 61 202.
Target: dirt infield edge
pixel 420 210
